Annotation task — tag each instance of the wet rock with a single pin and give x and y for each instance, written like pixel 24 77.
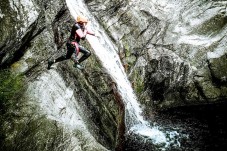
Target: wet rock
pixel 174 38
pixel 58 109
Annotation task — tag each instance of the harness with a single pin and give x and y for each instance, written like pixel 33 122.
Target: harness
pixel 74 40
pixel 76 46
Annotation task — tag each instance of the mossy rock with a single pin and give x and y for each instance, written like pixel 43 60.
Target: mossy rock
pixel 10 86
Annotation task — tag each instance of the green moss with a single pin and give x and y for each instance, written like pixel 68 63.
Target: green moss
pixel 127 49
pixel 139 87
pixel 138 82
pixel 10 86
pixel 10 89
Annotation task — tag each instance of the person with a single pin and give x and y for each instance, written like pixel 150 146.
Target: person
pixel 78 32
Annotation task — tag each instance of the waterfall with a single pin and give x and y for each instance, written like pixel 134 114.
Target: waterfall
pixel 106 52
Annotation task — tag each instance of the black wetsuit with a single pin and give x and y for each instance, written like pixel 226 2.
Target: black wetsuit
pixel 73 47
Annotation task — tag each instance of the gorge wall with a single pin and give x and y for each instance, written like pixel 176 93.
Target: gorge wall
pixel 174 53
pixel 58 109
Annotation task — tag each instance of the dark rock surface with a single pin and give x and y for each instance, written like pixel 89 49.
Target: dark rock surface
pixel 174 51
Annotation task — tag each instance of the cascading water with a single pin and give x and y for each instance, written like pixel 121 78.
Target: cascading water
pixel 106 52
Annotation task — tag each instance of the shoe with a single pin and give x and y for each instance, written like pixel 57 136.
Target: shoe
pixel 77 65
pixel 50 64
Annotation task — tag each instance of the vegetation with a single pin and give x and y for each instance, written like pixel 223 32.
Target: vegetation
pixel 10 88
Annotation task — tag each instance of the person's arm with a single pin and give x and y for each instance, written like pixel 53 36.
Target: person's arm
pixel 90 33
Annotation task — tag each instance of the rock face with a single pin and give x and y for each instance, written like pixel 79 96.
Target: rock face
pixel 58 109
pixel 173 51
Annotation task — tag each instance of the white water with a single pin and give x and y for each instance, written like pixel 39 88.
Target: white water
pixel 106 52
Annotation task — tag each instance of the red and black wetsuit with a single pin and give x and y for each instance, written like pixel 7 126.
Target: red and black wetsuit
pixel 73 48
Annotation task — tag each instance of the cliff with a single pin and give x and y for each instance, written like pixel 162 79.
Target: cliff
pixel 174 53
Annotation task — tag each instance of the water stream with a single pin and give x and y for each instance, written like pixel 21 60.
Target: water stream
pixel 106 52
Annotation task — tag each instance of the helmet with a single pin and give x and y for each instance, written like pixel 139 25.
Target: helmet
pixel 81 19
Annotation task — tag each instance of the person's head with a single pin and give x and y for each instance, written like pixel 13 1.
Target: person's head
pixel 82 20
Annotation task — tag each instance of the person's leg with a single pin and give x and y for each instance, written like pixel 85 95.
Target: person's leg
pixel 86 54
pixel 70 51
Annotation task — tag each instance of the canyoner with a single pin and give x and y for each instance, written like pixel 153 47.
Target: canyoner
pixel 79 31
